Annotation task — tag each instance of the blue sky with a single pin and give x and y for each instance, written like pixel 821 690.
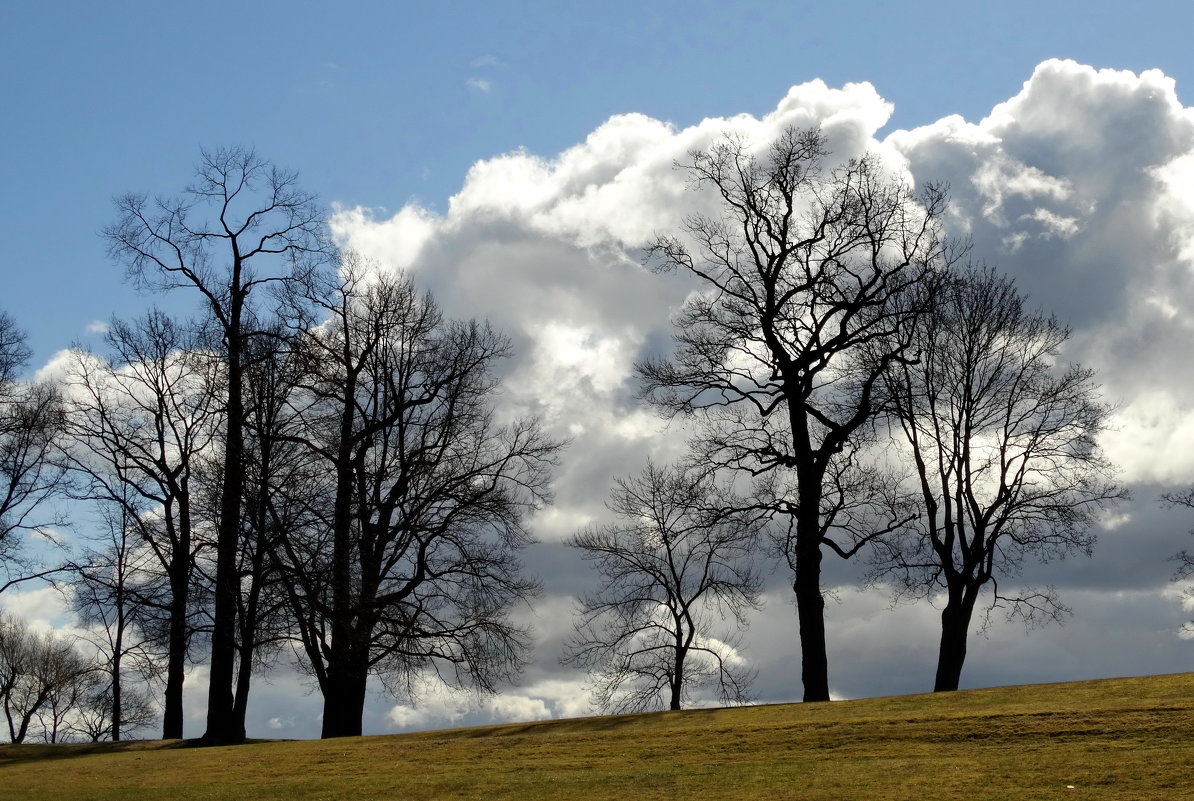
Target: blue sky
pixel 513 157
pixel 376 103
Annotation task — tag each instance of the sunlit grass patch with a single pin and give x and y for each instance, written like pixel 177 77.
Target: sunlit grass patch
pixel 1126 739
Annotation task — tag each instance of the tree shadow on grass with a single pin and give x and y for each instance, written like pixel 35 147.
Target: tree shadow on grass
pixel 44 752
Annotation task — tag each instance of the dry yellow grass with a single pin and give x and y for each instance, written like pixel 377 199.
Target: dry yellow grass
pixel 1129 739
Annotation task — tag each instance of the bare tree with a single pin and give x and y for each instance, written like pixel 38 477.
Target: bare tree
pixel 804 268
pixel 418 498
pixel 1184 558
pixel 16 661
pixel 74 686
pixel 1006 463
pixel 139 429
pixel 114 590
pixel 30 422
pixel 244 224
pixel 40 674
pixel 91 720
pixel 675 565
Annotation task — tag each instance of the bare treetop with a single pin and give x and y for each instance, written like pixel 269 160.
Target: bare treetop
pixel 239 208
pixel 14 353
pixel 676 563
pixel 802 267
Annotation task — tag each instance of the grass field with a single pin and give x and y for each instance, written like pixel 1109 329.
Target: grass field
pixel 1130 739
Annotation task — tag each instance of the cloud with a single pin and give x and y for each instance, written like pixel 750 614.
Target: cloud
pixel 1151 438
pixel 483 85
pixel 1078 186
pixel 97 327
pixel 42 608
pixel 398 240
pixel 58 366
pixel 440 707
pixel 1054 186
pixel 550 250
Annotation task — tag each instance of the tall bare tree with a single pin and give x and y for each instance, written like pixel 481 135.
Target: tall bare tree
pixel 244 224
pixel 1006 462
pixel 114 589
pixel 30 422
pixel 679 561
pixel 418 497
pixel 804 267
pixel 140 426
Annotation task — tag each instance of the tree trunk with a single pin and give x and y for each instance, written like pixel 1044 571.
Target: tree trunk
pixel 677 679
pixel 117 655
pixel 12 731
pixel 221 720
pixel 26 717
pixel 810 603
pixel 955 628
pixel 250 621
pixel 344 698
pixel 810 610
pixel 240 700
pixel 176 652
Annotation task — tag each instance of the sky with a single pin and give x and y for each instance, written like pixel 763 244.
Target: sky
pixel 515 159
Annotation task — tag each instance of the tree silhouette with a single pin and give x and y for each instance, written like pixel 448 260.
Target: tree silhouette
pixel 114 590
pixel 39 676
pixel 804 269
pixel 416 497
pixel 30 423
pixel 677 562
pixel 243 225
pixel 1006 463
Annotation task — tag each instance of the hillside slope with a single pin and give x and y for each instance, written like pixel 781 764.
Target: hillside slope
pixel 1110 739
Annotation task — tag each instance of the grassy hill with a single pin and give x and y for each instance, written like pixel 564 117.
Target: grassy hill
pixel 1130 739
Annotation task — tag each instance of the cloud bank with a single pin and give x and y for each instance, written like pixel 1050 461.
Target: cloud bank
pixel 1081 186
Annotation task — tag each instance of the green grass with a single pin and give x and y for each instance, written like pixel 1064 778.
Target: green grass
pixel 1130 739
